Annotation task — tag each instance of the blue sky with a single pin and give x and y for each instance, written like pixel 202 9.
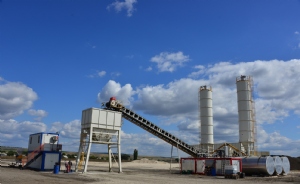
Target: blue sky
pixel 60 57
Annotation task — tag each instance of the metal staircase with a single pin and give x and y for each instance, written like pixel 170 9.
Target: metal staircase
pixel 34 155
pixel 83 151
pixel 152 128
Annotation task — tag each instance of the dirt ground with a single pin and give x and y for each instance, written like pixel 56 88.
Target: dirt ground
pixel 133 173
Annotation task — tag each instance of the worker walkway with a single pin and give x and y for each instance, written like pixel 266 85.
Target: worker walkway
pixel 152 128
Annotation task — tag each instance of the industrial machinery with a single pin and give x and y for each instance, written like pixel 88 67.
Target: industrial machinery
pixel 99 126
pixel 138 120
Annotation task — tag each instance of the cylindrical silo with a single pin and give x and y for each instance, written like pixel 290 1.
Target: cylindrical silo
pixel 246 113
pixel 285 165
pixel 258 165
pixel 206 115
pixel 278 165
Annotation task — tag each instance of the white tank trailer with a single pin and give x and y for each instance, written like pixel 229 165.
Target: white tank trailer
pixel 258 165
pixel 266 165
pixel 285 165
pixel 206 118
pixel 277 165
pixel 246 111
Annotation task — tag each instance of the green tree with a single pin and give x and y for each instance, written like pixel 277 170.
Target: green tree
pixel 135 154
pixel 93 157
pixel 11 153
pixel 25 152
pixel 125 157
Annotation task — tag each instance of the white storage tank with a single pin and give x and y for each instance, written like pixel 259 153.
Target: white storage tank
pixel 278 165
pixel 206 115
pixel 246 111
pixel 285 165
pixel 258 165
pixel 244 98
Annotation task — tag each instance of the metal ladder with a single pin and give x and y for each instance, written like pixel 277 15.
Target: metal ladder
pixel 84 148
pixel 157 131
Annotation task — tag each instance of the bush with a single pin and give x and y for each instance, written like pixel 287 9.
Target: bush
pixel 125 157
pixel 24 152
pixel 11 153
pixel 93 157
pixel 71 156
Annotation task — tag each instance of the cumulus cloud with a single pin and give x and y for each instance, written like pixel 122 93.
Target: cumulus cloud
pixel 115 89
pixel 38 113
pixel 177 102
pixel 101 73
pixel 14 99
pixel 168 62
pixel 200 71
pixel 67 130
pixel 115 74
pixel 149 69
pixel 147 144
pixel 10 126
pixel 98 74
pixel 277 143
pixel 126 5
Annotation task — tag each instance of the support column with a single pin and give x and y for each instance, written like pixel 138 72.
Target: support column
pixel 79 151
pixel 171 157
pixel 89 150
pixel 119 152
pixel 109 158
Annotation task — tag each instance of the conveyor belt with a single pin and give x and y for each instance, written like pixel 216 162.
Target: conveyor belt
pixel 155 130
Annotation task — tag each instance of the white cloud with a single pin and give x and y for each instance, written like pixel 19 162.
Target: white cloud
pixel 168 62
pixel 67 130
pixel 16 129
pixel 114 89
pixel 149 68
pixel 296 32
pixel 115 74
pixel 276 143
pixel 101 73
pixel 276 95
pixel 98 74
pixel 298 126
pixel 199 72
pixel 126 5
pixel 146 144
pixel 39 113
pixel 14 99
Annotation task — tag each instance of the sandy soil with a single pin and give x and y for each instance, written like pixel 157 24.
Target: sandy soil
pixel 133 173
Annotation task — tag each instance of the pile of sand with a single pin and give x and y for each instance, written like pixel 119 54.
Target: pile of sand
pixel 146 160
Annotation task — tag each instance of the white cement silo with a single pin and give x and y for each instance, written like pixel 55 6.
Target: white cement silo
pixel 206 118
pixel 246 111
